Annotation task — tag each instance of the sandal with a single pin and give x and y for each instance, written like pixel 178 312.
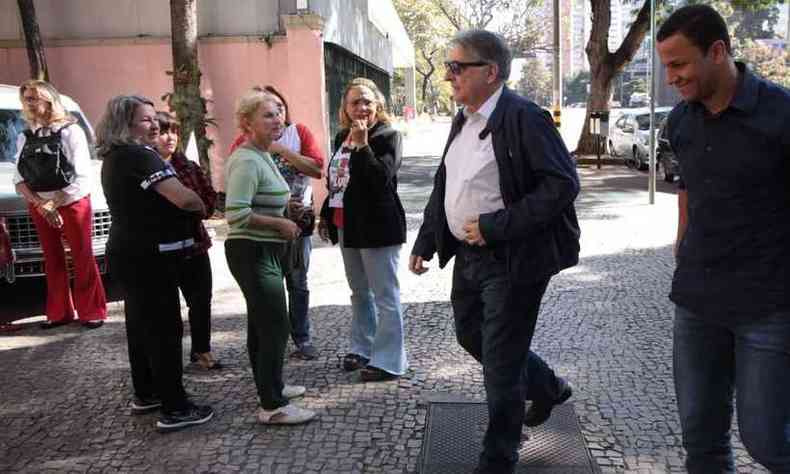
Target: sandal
pixel 352 362
pixel 205 360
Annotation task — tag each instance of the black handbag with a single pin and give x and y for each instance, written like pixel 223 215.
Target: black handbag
pixel 43 163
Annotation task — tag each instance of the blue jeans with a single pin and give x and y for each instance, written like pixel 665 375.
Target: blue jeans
pixel 714 359
pixel 299 295
pixel 494 322
pixel 377 316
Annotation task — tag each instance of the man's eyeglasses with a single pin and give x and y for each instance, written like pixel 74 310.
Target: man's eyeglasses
pixel 457 67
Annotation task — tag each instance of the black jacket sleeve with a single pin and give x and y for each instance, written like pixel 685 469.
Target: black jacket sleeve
pixel 425 245
pixel 378 163
pixel 554 183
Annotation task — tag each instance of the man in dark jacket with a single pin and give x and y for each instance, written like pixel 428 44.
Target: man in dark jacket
pixel 502 204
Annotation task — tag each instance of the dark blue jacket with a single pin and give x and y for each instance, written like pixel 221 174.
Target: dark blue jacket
pixel 538 227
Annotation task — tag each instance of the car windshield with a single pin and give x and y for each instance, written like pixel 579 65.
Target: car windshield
pixel 644 120
pixel 12 124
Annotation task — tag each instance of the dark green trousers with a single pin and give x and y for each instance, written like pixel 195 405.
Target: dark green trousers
pixel 257 268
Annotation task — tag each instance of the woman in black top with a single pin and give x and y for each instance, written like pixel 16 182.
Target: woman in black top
pixel 152 229
pixel 363 213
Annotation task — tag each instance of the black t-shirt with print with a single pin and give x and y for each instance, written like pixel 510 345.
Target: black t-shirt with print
pixel 141 218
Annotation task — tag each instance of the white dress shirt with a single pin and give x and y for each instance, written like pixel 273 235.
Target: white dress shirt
pixel 472 185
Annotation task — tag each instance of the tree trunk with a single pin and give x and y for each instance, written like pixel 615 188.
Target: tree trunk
pixel 426 76
pixel 35 48
pixel 186 101
pixel 604 64
pixel 425 82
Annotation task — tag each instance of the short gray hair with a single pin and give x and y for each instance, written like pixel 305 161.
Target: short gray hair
pixel 115 125
pixel 486 46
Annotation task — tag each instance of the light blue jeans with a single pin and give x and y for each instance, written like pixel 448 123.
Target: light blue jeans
pixel 377 316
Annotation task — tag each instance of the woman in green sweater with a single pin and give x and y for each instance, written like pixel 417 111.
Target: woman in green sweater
pixel 256 198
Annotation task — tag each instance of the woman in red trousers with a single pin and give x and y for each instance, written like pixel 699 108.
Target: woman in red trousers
pixel 59 204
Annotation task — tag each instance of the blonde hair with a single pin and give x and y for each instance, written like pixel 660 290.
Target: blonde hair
pixel 46 92
pixel 114 128
pixel 249 103
pixel 381 101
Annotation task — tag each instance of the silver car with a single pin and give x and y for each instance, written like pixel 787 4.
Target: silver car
pixel 630 136
pixel 29 261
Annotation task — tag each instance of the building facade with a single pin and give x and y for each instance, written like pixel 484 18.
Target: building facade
pixel 97 49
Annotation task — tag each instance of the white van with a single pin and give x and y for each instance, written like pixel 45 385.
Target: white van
pixel 29 258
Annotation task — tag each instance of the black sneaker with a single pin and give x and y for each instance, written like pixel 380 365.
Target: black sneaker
pixel 142 405
pixel 192 415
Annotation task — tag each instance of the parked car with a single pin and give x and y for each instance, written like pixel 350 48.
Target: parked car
pixel 29 261
pixel 665 157
pixel 630 136
pixel 638 99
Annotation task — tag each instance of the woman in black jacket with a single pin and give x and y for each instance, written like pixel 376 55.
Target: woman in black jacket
pixel 363 213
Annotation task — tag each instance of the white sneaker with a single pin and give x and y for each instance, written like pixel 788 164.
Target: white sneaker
pixel 293 391
pixel 287 415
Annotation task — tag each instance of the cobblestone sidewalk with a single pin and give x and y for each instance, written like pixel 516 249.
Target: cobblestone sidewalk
pixel 605 325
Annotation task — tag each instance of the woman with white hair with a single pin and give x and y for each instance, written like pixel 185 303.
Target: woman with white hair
pixel 53 174
pixel 257 197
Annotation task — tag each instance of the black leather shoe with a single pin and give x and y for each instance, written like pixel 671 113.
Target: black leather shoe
pixel 93 324
pixel 54 324
pixel 374 374
pixel 490 470
pixel 352 362
pixel 538 413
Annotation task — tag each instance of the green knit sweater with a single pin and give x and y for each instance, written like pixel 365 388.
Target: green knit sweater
pixel 253 185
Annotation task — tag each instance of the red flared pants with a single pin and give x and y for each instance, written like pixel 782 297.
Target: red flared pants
pixel 88 291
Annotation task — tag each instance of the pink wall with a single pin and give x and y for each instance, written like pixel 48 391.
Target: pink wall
pixel 94 73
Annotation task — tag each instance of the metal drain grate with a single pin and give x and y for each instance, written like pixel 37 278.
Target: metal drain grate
pixel 454 437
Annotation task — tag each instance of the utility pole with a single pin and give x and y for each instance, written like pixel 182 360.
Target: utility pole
pixel 652 143
pixel 557 70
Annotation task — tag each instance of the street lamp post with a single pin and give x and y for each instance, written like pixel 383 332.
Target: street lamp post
pixel 557 84
pixel 652 183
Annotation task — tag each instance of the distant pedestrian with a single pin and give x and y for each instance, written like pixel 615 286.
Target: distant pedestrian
pixel 509 233
pixel 195 272
pixel 151 233
pixel 363 213
pixel 257 197
pixel 54 175
pixel 731 287
pixel 299 158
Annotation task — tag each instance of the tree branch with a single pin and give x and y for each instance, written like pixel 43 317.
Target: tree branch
pixel 454 20
pixel 633 39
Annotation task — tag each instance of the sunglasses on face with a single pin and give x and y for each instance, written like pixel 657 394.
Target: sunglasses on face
pixel 457 67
